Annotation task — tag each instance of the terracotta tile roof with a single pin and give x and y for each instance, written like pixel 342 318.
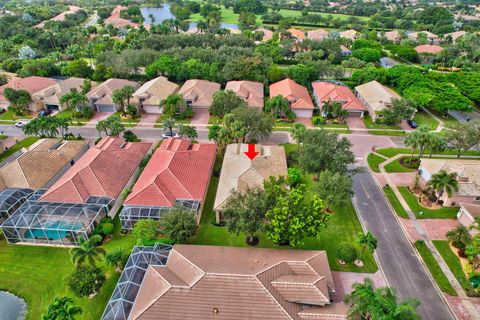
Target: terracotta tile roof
pixel 299 34
pixel 118 22
pixel 200 92
pixel 349 34
pixel 40 163
pixel 318 35
pixel 155 91
pixel 251 92
pixel 53 93
pixel 267 34
pixel 61 16
pixel 428 48
pixel 326 91
pixel 473 209
pixel 392 35
pixel 201 282
pixel 103 171
pixel 177 170
pixel 103 92
pixel 30 84
pixel 297 95
pixel 239 172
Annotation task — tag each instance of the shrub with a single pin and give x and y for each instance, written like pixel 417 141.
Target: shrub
pixel 294 176
pixel 129 136
pixel 178 224
pixel 108 229
pixel 346 252
pixel 290 116
pixel 86 281
pixel 145 230
pixel 318 120
pixel 187 114
pixel 117 258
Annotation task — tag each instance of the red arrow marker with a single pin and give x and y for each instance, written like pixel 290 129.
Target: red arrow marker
pixel 251 151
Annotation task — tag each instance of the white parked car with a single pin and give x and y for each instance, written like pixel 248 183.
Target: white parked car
pixel 166 134
pixel 21 123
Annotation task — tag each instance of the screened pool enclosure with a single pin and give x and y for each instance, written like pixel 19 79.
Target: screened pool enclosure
pixel 131 214
pixel 51 223
pixel 123 297
pixel 11 200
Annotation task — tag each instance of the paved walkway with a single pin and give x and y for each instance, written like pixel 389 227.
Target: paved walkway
pixel 344 280
pixel 200 117
pixel 435 228
pixel 460 311
pixel 148 120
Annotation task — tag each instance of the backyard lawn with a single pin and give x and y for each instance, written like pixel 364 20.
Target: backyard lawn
pixel 416 207
pixel 424 119
pixel 395 203
pixel 18 146
pixel 435 269
pixel 453 264
pixel 374 161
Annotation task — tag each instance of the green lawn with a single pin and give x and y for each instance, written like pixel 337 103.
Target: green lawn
pixel 416 207
pixel 391 152
pixel 10 116
pixel 68 114
pixel 396 166
pixel 453 264
pixel 39 274
pixel 228 16
pixel 435 269
pixel 374 161
pixel 424 119
pixel 342 226
pixel 448 120
pixel 159 124
pixel 214 120
pixel 333 125
pixel 18 146
pixel 399 210
pixel 387 133
pixel 287 13
pixel 372 125
pixel 128 122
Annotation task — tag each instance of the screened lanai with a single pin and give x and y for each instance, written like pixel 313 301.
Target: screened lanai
pixel 11 200
pixel 123 297
pixel 51 223
pixel 131 214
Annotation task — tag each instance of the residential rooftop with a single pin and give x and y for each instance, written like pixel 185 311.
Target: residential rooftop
pixel 295 93
pixel 251 92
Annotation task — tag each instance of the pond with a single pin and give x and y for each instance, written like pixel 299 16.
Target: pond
pixel 11 307
pixel 161 14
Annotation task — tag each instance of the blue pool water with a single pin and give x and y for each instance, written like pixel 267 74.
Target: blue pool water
pixel 52 234
pixel 11 307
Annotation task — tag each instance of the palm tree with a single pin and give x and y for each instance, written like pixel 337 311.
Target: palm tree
pixel 187 131
pixel 367 241
pixel 62 309
pixel 169 124
pixel 436 144
pixel 277 105
pixel 459 237
pixel 360 299
pixel 412 141
pixel 173 104
pixel 298 133
pixel 87 251
pixel 444 182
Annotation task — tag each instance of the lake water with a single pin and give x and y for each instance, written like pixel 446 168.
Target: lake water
pixel 164 13
pixel 11 307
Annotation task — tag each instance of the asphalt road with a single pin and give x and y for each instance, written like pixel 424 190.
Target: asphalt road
pixel 400 264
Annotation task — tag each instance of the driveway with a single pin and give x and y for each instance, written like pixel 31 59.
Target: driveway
pixel 201 117
pixel 401 266
pixel 306 121
pixel 355 123
pixel 97 117
pixel 148 120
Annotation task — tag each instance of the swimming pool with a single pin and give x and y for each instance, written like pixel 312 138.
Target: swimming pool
pixel 54 231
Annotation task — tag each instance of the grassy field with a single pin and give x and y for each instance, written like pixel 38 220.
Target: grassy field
pixel 435 269
pixel 453 263
pixel 395 203
pixel 424 119
pixel 10 116
pixel 391 152
pixel 296 13
pixel 228 16
pixel 372 125
pixel 342 226
pixel 397 166
pixel 374 161
pixel 18 146
pixel 39 274
pixel 68 114
pixel 416 207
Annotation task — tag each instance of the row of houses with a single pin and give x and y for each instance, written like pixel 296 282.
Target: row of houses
pixel 47 93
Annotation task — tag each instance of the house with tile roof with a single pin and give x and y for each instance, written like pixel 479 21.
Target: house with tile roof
pixel 428 48
pixel 31 85
pixel 103 171
pixel 250 91
pixel 151 94
pixel 324 92
pixel 467 214
pixel 431 37
pixel 393 36
pixel 50 96
pixel 267 34
pixel 178 174
pixel 297 33
pixel 198 94
pixel 318 35
pixel 239 172
pixel 60 17
pixel 118 22
pixel 349 34
pixel 100 97
pixel 468 177
pixel 41 164
pixel 454 36
pixel 206 282
pixel 376 97
pixel 297 96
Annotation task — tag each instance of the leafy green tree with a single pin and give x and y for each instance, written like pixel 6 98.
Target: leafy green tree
pixel 367 241
pixel 77 68
pixel 299 130
pixel 464 136
pixel 225 102
pixel 74 100
pixel 121 97
pixel 366 302
pixel 189 132
pixel 346 252
pixel 86 281
pixel 324 150
pixel 117 258
pixel 19 100
pixel 245 212
pixel 145 230
pixel 87 251
pixel 418 139
pixel 334 109
pixel 367 54
pixel 178 224
pixel 62 309
pixel 460 237
pixel 436 143
pixel 113 125
pixel 173 104
pixel 303 74
pixel 334 188
pixel 277 105
pixel 401 109
pixel 443 182
pixel 169 124
pixel 472 251
pixel 292 218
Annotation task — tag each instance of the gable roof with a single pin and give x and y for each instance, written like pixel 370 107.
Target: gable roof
pixel 318 34
pixel 61 16
pixel 376 95
pixel 267 34
pixel 392 35
pixel 39 164
pixel 103 92
pixel 30 84
pixel 177 170
pixel 428 48
pixel 251 92
pixel 53 93
pixel 199 91
pixel 239 172
pixel 156 90
pixel 298 95
pixel 297 33
pixel 118 22
pixel 102 171
pixel 198 282
pixel 327 91
pixel 350 34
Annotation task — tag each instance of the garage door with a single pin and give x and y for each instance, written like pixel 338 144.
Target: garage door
pixel 355 114
pixel 152 109
pixel 106 108
pixel 52 107
pixel 303 113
